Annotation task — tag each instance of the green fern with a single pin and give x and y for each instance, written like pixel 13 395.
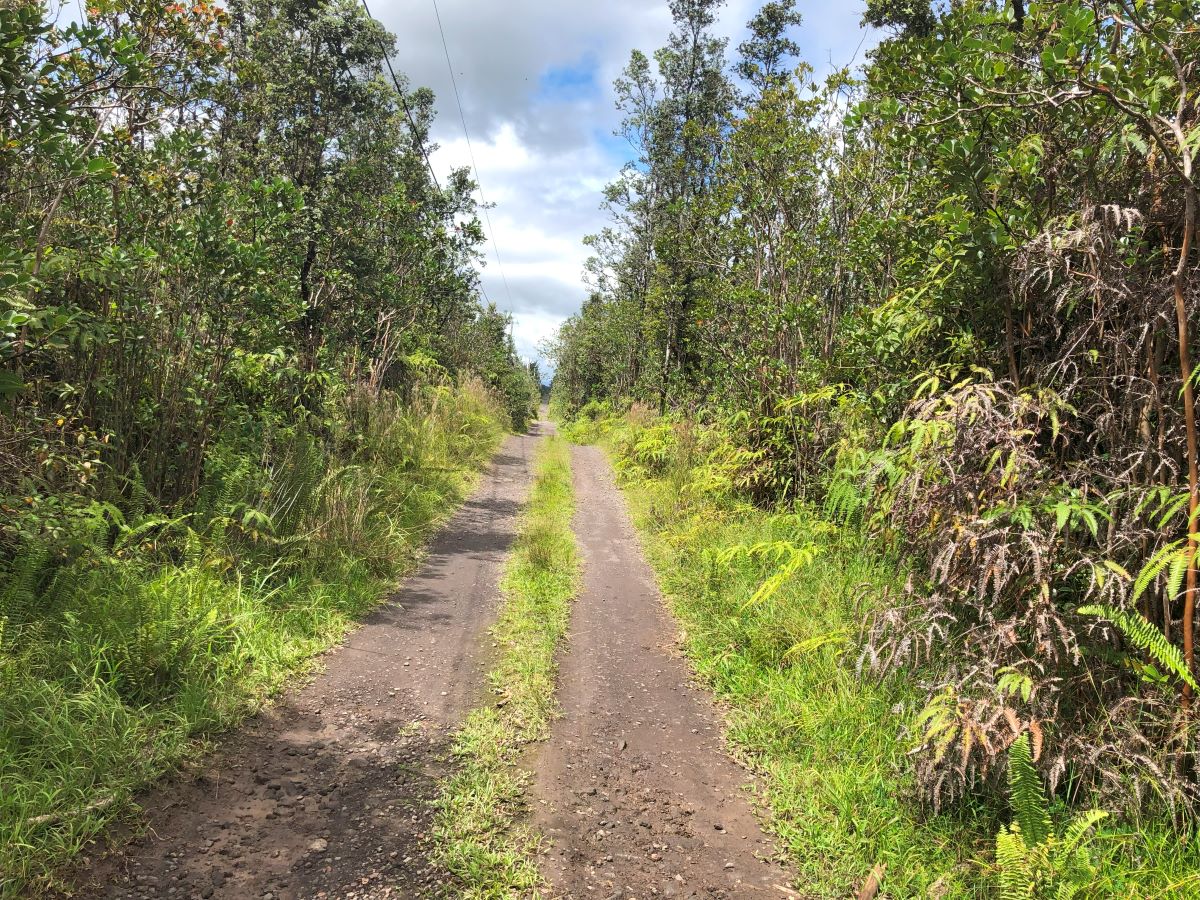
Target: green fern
pixel 21 583
pixel 1025 792
pixel 130 536
pixel 1018 872
pixel 789 557
pixel 139 497
pixel 1080 827
pixel 1032 861
pixel 1176 573
pixel 1142 633
pixel 654 448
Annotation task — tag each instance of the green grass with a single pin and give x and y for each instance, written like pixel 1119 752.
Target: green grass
pixel 826 741
pixel 116 662
pixel 830 744
pixel 477 836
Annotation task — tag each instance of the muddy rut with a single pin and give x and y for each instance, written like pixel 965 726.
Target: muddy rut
pixel 634 791
pixel 327 793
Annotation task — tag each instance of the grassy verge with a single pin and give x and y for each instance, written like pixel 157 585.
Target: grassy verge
pixel 831 745
pixel 476 835
pixel 827 742
pixel 121 646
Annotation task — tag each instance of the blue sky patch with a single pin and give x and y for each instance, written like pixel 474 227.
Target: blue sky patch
pixel 565 84
pixel 617 148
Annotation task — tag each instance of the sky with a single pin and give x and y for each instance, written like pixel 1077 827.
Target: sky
pixel 535 79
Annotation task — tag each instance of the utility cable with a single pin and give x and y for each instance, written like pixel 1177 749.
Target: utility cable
pixel 403 102
pixel 471 151
pixel 408 113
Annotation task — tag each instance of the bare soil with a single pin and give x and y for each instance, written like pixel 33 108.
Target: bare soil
pixel 327 793
pixel 634 790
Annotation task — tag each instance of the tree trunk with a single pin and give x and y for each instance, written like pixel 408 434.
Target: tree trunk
pixel 1189 416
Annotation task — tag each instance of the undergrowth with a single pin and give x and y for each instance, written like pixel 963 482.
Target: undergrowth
pixel 773 606
pixel 477 836
pixel 123 642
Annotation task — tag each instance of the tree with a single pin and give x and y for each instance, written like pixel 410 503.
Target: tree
pixel 953 302
pixel 764 54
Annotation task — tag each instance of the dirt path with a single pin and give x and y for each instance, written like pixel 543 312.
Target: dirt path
pixel 326 794
pixel 633 790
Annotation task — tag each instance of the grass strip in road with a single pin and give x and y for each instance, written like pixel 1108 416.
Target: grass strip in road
pixel 477 835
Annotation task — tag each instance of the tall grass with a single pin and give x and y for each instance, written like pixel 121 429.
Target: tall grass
pixel 772 604
pixel 476 836
pixel 123 643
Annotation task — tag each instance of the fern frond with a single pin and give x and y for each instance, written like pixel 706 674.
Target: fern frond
pixel 1176 573
pixel 21 582
pixel 130 535
pixel 1144 635
pixel 139 497
pixel 1016 871
pixel 837 638
pixel 1078 829
pixel 1026 794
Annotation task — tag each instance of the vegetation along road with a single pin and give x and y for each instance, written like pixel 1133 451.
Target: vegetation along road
pixel 830 529
pixel 335 790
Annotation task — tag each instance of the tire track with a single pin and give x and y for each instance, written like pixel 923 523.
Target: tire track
pixel 327 793
pixel 634 789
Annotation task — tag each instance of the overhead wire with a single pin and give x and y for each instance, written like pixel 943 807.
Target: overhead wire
pixel 466 134
pixel 403 102
pixel 471 152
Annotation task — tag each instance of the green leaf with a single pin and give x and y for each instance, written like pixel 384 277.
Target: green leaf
pixel 11 384
pixel 1144 635
pixel 1026 794
pixel 1117 569
pixel 100 166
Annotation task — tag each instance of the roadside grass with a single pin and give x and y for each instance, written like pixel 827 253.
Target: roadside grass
pixel 118 660
pixel 827 741
pixel 830 744
pixel 476 835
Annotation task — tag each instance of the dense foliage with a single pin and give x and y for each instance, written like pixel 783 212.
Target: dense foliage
pixel 213 222
pixel 244 365
pixel 186 271
pixel 951 302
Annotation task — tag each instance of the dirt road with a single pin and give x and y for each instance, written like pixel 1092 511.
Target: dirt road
pixel 327 793
pixel 633 790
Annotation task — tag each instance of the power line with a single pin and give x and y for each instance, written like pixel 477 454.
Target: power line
pixel 471 151
pixel 404 103
pixel 421 146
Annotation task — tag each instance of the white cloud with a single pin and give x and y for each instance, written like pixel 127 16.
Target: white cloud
pixel 535 80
